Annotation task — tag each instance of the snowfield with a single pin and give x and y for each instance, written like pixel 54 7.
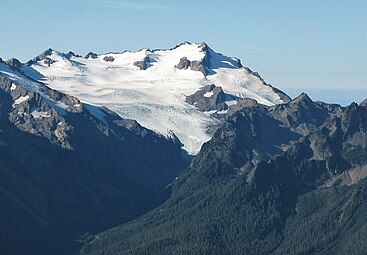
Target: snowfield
pixel 20 100
pixel 155 97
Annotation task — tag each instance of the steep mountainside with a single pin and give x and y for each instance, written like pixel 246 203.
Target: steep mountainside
pixel 151 86
pixel 68 168
pixel 309 199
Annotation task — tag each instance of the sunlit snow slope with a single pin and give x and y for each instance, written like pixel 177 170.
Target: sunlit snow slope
pixel 153 95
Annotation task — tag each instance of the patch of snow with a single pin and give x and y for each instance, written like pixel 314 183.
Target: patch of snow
pixel 208 94
pixel 36 114
pixel 20 100
pixel 208 113
pixel 13 87
pixel 231 102
pixel 222 112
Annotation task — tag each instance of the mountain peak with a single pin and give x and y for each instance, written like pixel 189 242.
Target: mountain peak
pixel 91 55
pixel 14 63
pixel 44 55
pixel 303 97
pixel 71 54
pixel 47 52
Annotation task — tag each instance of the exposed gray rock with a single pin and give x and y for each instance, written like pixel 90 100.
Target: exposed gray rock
pixel 303 99
pixel 71 54
pixel 43 56
pixel 48 61
pixel 208 98
pixel 363 103
pixel 109 59
pixel 257 75
pixel 143 65
pixel 205 48
pixel 14 63
pixel 198 66
pixel 283 96
pixel 91 55
pixel 301 114
pixel 193 65
pixel 183 64
pixel 221 62
pixel 332 108
pixel 241 103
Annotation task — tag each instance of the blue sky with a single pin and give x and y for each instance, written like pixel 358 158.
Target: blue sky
pixel 315 46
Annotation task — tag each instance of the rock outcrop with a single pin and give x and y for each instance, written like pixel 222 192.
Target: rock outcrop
pixel 193 65
pixel 143 64
pixel 91 55
pixel 363 103
pixel 208 98
pixel 109 59
pixel 14 63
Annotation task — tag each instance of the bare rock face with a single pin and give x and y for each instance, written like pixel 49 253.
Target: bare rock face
pixel 183 64
pixel 301 114
pixel 193 65
pixel 208 98
pixel 71 54
pixel 91 55
pixel 213 100
pixel 109 59
pixel 363 103
pixel 198 66
pixel 144 64
pixel 43 56
pixel 14 63
pixel 49 61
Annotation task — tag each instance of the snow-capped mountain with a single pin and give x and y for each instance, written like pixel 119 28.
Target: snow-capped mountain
pixel 151 86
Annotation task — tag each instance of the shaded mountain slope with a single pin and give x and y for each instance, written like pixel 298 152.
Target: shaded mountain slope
pixel 222 205
pixel 68 168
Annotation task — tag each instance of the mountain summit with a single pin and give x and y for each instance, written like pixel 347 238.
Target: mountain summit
pixel 151 86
